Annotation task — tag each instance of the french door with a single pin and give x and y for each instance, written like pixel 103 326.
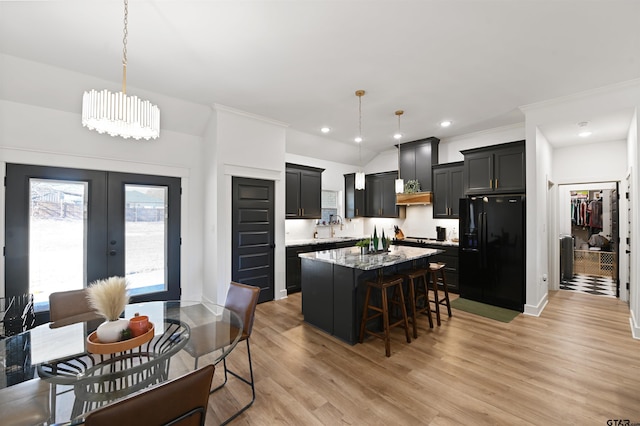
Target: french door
pixel 66 228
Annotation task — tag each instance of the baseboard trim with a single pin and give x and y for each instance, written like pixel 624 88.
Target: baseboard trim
pixel 635 327
pixel 536 310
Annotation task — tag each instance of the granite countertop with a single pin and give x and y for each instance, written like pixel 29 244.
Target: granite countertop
pixel 313 241
pixel 351 258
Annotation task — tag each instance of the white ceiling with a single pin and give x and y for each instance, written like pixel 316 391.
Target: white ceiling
pixel 300 62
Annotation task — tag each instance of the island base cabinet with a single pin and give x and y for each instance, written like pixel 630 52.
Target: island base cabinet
pixel 333 298
pixel 317 294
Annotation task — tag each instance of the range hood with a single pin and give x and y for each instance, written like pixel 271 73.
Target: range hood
pixel 415 198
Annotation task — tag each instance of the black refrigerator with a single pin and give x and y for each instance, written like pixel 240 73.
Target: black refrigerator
pixel 492 250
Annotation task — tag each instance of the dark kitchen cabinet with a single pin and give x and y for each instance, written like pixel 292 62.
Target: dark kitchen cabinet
pixel 380 195
pixel 354 200
pixel 294 264
pixel 448 188
pixel 495 169
pixel 450 259
pixel 303 192
pixel 417 159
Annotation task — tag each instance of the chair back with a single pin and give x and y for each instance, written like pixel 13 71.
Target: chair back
pixel 182 401
pixel 68 307
pixel 243 299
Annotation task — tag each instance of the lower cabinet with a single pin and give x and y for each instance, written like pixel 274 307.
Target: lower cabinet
pixel 450 259
pixel 293 261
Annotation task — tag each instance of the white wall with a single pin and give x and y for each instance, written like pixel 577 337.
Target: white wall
pixel 595 162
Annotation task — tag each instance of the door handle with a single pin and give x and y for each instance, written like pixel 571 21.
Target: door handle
pixel 496 183
pixel 628 251
pixel 112 252
pixel 272 245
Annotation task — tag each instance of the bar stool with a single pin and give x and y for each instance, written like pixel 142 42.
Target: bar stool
pixel 412 276
pixel 383 284
pixel 434 268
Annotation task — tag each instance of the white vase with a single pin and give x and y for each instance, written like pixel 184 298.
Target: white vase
pixel 111 331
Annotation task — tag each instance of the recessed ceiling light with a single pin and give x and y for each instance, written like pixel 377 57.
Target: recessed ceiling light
pixel 446 123
pixel 584 131
pixel 325 129
pixel 358 139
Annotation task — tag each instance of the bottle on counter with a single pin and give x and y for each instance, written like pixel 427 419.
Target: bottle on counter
pixel 375 239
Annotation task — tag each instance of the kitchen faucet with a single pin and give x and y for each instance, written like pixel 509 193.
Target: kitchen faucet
pixel 336 222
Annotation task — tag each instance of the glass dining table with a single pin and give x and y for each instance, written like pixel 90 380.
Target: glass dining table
pixel 84 376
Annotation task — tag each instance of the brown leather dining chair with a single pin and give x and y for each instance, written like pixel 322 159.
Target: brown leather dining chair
pixel 69 307
pixel 182 401
pixel 242 299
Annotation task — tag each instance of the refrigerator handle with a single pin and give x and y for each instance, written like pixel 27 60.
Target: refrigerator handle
pixel 484 239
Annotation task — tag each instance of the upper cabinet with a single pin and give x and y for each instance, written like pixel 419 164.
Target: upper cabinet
pixel 303 192
pixel 417 159
pixel 380 195
pixel 354 200
pixel 495 169
pixel 448 188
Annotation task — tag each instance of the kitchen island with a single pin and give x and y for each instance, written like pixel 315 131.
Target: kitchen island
pixel 332 290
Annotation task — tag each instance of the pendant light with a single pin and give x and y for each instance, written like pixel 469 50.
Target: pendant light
pixel 360 174
pixel 397 136
pixel 117 113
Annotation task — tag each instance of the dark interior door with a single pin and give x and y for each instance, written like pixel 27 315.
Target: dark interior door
pixel 253 234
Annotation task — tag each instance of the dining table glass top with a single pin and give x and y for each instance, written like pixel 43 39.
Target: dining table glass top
pixel 59 355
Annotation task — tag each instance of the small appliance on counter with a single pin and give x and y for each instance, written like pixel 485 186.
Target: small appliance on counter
pixel 441 233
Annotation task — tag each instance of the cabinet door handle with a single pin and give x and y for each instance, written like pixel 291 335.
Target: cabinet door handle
pixel 491 183
pixel 496 183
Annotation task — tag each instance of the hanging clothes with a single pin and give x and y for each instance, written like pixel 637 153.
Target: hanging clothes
pixel 595 218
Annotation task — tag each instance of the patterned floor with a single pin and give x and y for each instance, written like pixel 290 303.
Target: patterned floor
pixel 600 286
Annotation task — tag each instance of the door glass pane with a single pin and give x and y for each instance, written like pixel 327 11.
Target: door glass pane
pixel 57 237
pixel 146 238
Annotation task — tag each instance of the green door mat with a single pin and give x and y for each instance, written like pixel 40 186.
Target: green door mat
pixel 484 310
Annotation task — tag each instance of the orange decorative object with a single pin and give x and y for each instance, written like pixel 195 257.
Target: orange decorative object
pixel 139 325
pixel 95 347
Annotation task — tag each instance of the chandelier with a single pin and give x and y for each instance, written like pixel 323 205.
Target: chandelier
pixel 359 184
pixel 117 113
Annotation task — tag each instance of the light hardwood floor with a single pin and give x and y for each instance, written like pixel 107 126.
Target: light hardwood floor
pixel 576 364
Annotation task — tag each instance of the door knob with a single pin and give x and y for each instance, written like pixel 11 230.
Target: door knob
pixel 112 252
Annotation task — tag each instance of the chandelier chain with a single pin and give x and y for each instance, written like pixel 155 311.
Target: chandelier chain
pixel 125 32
